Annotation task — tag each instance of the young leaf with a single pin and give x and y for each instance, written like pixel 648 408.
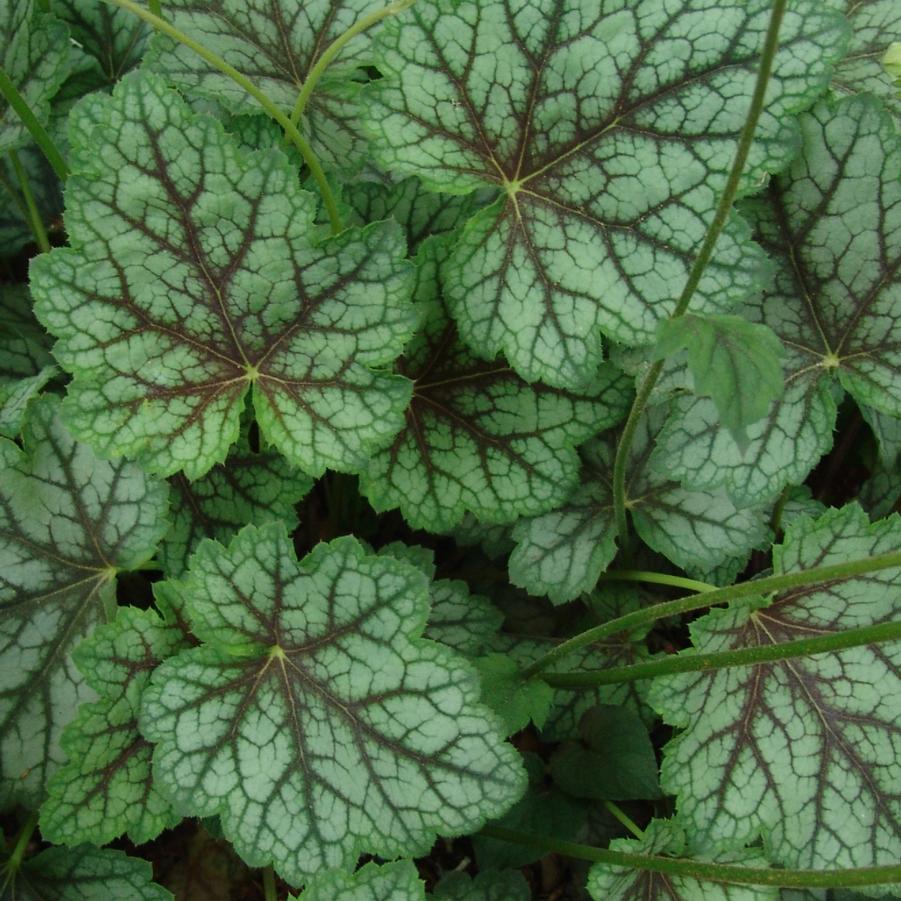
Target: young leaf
pixel 105 788
pixel 248 488
pixel 488 885
pixel 607 882
pixel 276 43
pixel 314 720
pixel 477 437
pixel 34 55
pixel 735 362
pixel 788 748
pixel 389 882
pixel 83 874
pixel 195 272
pixel 516 701
pixel 564 552
pixel 68 523
pixel 610 131
pixel 832 224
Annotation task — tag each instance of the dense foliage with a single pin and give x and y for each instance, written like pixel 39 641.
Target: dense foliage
pixel 450 450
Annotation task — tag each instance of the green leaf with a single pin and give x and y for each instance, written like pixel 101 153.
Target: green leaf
pixel 612 883
pixel 614 761
pixel 563 553
pixel 490 885
pixel 196 271
pixel 313 719
pixel 276 43
pixel 874 24
pixel 610 130
pixel 516 701
pixel 477 437
pixel 832 225
pixel 389 882
pixel 84 874
pixel 251 487
pixel 105 789
pixel 15 229
pixel 789 748
pixel 887 430
pixel 112 36
pixel 68 523
pixel 735 362
pixel 34 54
pixel 463 621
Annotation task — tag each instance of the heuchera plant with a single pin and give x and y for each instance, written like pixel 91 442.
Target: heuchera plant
pixel 443 437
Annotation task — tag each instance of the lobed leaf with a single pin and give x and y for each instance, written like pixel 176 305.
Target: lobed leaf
pixel 389 882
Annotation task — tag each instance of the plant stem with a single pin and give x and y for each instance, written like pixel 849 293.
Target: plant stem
pixel 336 47
pixel 767 585
pixel 691 663
pixel 34 217
pixel 640 575
pixel 299 141
pixel 14 861
pixel 35 129
pixel 616 811
pixel 712 872
pixel 269 891
pixel 720 218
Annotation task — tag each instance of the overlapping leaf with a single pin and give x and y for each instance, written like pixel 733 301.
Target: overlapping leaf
pixel 788 749
pixel 195 272
pixel 314 720
pixel 609 128
pixel 34 54
pixel 275 44
pixel 250 487
pixel 563 553
pixel 489 885
pixel 68 523
pixel 832 223
pixel 477 437
pixel 105 789
pixel 612 883
pixel 389 882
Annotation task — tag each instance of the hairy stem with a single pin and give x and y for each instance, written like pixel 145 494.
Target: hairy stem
pixel 299 141
pixel 690 663
pixel 336 47
pixel 776 583
pixel 713 872
pixel 34 217
pixel 35 129
pixel 720 218
pixel 640 575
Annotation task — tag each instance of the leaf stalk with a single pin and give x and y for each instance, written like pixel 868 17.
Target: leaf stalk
pixel 34 216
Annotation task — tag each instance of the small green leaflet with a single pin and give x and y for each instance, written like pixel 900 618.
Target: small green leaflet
pixel 477 437
pixel 787 749
pixel 390 882
pixel 34 54
pixel 735 362
pixel 563 553
pixel 84 874
pixel 609 128
pixel 832 224
pixel 516 701
pixel 313 719
pixel 196 271
pixel 68 523
pixel 874 25
pixel 105 789
pixel 488 885
pixel 663 837
pixel 276 43
pixel 248 488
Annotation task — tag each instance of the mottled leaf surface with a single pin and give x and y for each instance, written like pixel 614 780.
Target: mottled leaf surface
pixel 105 788
pixel 609 128
pixel 275 43
pixel 389 882
pixel 196 271
pixel 563 553
pixel 68 523
pixel 478 438
pixel 463 621
pixel 806 750
pixel 611 883
pixel 85 874
pixel 313 719
pixel 832 225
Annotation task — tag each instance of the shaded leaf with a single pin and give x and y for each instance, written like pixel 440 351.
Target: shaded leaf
pixel 516 701
pixel 389 882
pixel 490 885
